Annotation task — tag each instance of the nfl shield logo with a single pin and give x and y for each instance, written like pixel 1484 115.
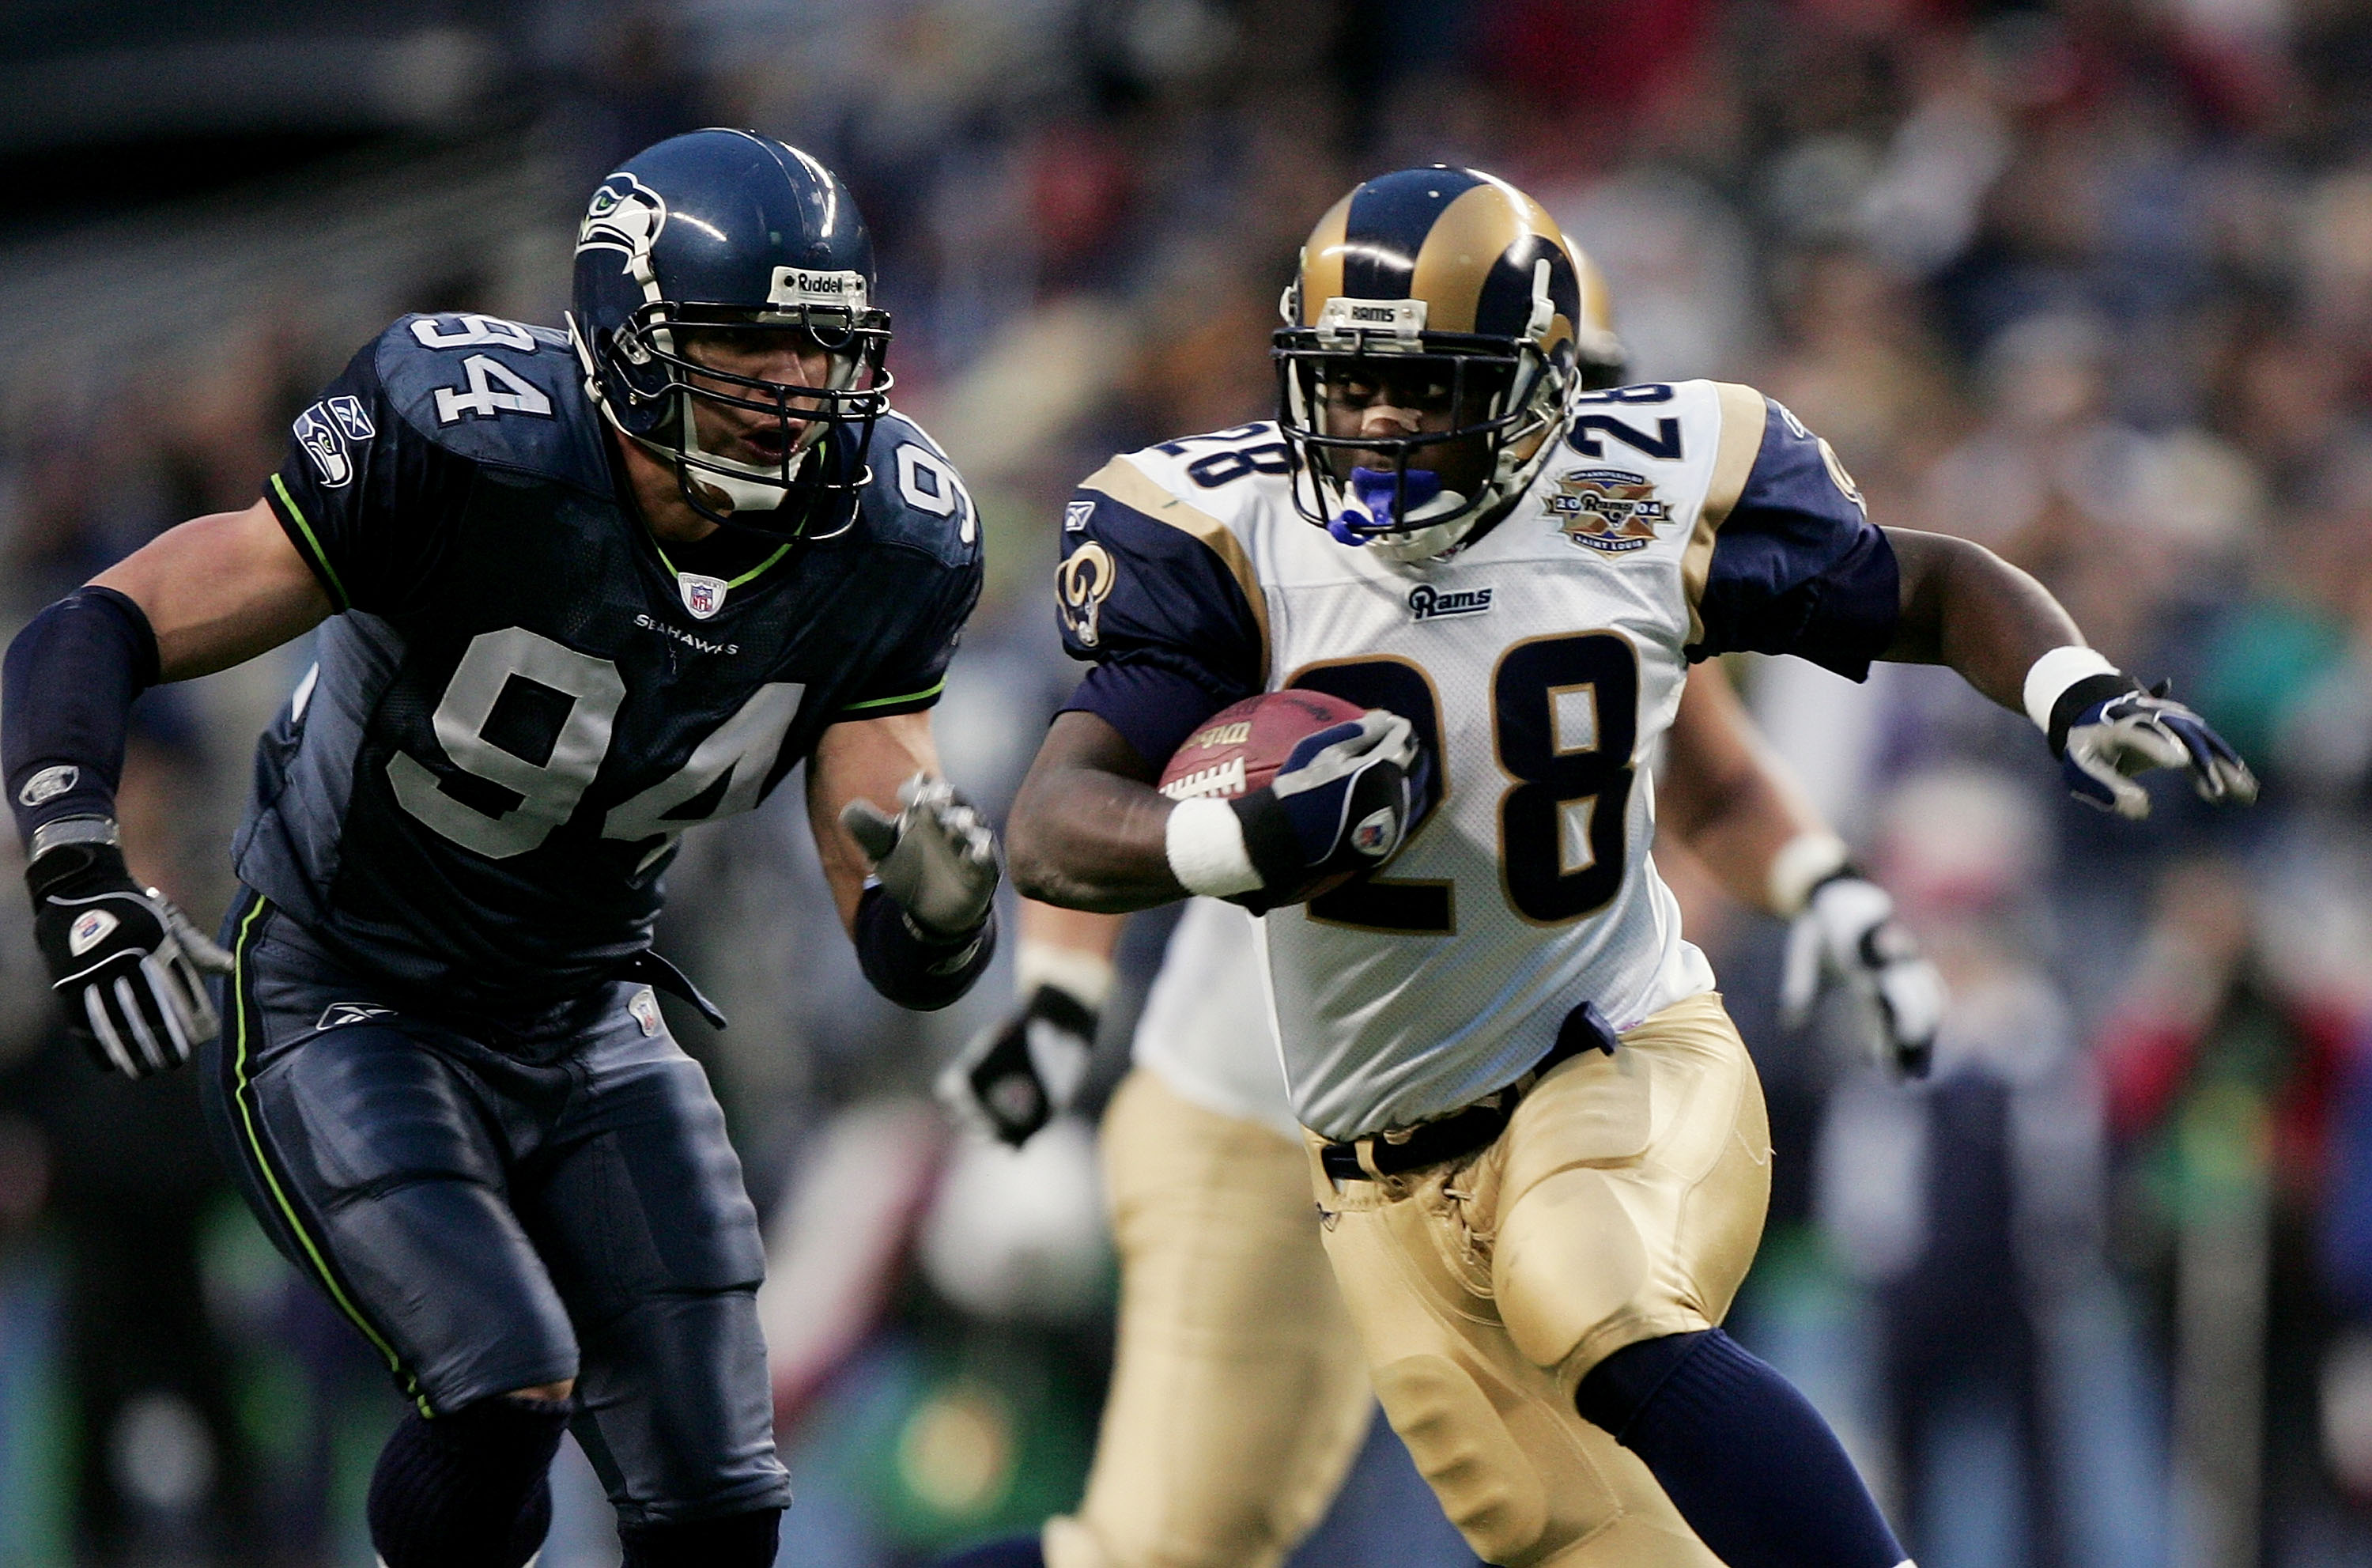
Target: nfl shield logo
pixel 702 596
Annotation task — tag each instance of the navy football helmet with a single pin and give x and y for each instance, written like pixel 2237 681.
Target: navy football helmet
pixel 720 235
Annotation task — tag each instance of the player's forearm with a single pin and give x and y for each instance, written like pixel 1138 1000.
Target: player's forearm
pixel 1965 606
pixel 1087 840
pixel 1732 804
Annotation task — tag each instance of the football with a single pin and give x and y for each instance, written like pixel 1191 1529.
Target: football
pixel 1238 749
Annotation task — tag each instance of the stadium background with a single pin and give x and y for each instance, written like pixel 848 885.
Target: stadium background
pixel 2089 282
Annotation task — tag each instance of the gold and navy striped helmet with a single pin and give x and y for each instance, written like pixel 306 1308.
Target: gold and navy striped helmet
pixel 1455 282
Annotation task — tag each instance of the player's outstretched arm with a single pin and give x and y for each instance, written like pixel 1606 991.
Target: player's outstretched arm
pixel 1735 807
pixel 912 868
pixel 1965 606
pixel 123 961
pixel 1021 1072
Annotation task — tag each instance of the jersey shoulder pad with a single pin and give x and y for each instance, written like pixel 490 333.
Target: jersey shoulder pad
pixel 916 498
pixel 501 393
pixel 1234 479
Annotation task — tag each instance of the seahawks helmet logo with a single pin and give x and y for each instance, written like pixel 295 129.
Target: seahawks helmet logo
pixel 624 214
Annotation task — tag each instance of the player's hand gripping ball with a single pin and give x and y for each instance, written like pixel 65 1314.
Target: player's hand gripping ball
pixel 1325 790
pixel 937 858
pixel 128 967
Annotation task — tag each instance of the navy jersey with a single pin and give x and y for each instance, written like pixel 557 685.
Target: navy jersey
pixel 521 703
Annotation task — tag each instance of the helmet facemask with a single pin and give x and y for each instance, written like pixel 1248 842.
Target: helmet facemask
pixel 654 388
pixel 1496 399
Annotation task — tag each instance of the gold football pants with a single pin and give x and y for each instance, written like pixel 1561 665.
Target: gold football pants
pixel 1623 1201
pixel 1238 1398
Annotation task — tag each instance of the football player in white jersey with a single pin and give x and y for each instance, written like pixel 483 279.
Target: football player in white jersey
pixel 1536 1142
pixel 1238 1396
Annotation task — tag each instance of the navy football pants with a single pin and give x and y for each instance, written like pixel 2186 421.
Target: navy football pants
pixel 567 1206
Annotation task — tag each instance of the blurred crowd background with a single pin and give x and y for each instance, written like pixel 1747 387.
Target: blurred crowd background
pixel 2089 282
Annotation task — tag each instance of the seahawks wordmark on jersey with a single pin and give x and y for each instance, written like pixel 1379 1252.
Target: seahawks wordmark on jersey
pixel 522 703
pixel 1539 663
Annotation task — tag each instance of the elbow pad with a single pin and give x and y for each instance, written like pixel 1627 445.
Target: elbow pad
pixel 910 968
pixel 66 697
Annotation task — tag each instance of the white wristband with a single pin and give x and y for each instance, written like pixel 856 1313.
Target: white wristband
pixel 1204 841
pixel 1801 864
pixel 1086 978
pixel 2054 672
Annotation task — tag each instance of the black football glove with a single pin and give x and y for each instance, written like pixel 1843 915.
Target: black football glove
pixel 1021 1072
pixel 1847 937
pixel 129 968
pixel 2104 732
pixel 1344 802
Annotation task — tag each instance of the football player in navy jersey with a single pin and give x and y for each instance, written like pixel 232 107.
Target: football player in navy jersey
pixel 577 592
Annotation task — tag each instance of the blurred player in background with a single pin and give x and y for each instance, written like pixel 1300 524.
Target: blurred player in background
pixel 1535 1138
pixel 577 593
pixel 1238 1396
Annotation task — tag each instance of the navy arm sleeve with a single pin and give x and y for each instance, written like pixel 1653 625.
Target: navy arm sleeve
pixel 365 497
pixel 1797 567
pixel 1164 622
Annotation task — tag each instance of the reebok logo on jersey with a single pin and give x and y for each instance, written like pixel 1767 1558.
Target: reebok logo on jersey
pixel 340 1013
pixel 49 784
pixel 1612 510
pixel 1429 603
pixel 1076 515
pixel 89 929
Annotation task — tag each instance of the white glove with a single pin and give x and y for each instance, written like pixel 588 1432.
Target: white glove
pixel 935 859
pixel 1847 935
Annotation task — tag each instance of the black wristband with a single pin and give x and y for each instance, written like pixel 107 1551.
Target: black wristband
pixel 79 867
pixel 1846 871
pixel 910 968
pixel 1268 841
pixel 2072 702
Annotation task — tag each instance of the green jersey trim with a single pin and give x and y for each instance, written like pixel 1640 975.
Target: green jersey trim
pixel 320 559
pixel 917 699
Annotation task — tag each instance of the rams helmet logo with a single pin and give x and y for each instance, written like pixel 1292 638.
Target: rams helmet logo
pixel 1082 584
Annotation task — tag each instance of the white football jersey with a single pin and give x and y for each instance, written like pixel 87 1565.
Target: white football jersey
pixel 1206 1028
pixel 1539 665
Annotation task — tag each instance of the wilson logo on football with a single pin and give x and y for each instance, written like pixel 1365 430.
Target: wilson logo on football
pixel 1082 583
pixel 1612 510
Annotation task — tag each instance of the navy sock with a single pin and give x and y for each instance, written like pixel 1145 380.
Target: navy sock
pixel 468 1490
pixel 1745 1458
pixel 733 1540
pixel 1017 1552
